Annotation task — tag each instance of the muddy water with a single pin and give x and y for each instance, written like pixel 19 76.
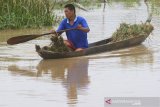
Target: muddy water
pixel 26 80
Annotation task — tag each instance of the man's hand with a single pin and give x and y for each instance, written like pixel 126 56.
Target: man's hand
pixel 52 31
pixel 79 27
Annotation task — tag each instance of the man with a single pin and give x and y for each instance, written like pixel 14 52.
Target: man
pixel 77 39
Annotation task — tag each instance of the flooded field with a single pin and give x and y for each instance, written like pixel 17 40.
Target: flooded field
pixel 27 81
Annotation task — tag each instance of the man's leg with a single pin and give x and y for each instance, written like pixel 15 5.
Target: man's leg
pixel 79 49
pixel 69 44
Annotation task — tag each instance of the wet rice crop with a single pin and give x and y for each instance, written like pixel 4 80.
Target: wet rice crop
pixel 126 31
pixel 56 45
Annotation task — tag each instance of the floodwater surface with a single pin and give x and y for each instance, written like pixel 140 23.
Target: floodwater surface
pixel 28 81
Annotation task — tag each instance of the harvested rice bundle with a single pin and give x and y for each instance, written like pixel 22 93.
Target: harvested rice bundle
pixel 56 45
pixel 127 31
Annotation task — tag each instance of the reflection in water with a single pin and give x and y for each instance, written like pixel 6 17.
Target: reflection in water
pixel 15 70
pixel 137 55
pixel 72 73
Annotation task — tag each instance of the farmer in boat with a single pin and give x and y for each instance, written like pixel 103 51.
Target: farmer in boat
pixel 76 39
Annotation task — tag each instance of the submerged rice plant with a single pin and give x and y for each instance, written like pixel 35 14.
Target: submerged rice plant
pixel 26 13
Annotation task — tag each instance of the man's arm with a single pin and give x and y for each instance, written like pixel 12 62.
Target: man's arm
pixel 83 26
pixel 79 27
pixel 55 32
pixel 61 27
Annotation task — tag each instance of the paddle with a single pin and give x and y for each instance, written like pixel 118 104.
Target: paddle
pixel 25 38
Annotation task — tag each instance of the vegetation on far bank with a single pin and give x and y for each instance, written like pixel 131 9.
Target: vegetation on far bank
pixel 16 14
pixel 26 13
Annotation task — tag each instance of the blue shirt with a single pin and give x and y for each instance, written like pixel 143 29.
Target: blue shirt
pixel 77 37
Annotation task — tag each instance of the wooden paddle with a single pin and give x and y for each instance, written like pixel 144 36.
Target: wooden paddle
pixel 25 38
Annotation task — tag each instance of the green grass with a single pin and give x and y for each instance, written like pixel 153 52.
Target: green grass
pixel 16 14
pixel 26 13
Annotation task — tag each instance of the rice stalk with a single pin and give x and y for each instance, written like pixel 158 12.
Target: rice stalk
pixel 126 31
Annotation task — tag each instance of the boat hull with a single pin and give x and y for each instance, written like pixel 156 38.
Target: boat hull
pixel 94 48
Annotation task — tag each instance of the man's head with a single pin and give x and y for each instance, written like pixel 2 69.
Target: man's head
pixel 69 10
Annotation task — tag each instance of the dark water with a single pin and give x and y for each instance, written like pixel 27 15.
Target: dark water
pixel 26 80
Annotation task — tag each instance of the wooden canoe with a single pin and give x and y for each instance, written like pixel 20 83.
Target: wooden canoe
pixel 94 48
